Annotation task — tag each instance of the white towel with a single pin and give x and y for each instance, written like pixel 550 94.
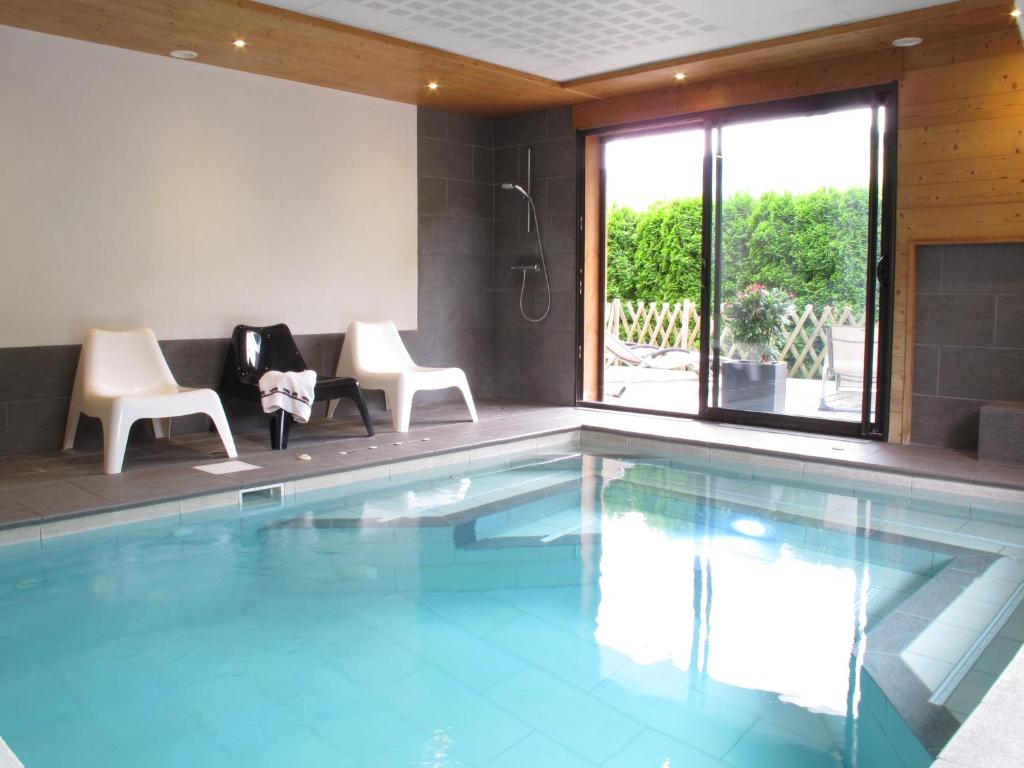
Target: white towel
pixel 291 391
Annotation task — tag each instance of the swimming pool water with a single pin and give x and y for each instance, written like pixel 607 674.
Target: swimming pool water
pixel 579 612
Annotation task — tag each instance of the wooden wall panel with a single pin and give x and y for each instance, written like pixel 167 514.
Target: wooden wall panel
pixel 952 141
pixel 961 168
pixel 800 80
pixel 993 106
pixel 961 171
pixel 966 47
pixel 961 80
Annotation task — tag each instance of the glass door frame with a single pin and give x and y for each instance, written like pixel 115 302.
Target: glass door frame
pixel 878 276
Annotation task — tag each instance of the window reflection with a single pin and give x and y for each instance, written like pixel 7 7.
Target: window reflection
pixel 744 610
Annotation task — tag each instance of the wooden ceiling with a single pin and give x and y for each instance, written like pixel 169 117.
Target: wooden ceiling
pixel 304 49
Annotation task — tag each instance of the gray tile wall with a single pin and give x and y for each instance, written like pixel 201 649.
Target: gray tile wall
pixel 468 300
pixel 536 361
pixel 36 382
pixel 456 248
pixel 968 338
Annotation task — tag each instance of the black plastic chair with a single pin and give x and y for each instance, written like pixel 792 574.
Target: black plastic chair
pixel 254 351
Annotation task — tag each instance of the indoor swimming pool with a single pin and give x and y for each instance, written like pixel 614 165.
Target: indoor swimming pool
pixel 568 610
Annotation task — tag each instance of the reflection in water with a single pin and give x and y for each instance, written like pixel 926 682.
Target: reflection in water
pixel 785 619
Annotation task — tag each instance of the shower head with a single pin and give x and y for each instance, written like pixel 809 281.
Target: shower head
pixel 517 188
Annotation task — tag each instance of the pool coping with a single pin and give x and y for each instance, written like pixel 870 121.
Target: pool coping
pixel 986 500
pixel 377 466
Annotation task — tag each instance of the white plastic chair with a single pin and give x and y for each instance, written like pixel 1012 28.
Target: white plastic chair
pixel 122 377
pixel 844 362
pixel 373 353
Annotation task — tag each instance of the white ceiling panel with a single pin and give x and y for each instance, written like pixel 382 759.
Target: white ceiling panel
pixel 778 26
pixel 564 39
pixel 346 12
pixel 731 14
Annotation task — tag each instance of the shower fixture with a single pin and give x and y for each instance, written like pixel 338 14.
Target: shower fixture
pixel 527 268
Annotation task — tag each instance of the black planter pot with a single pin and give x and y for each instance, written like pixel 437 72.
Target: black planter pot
pixel 750 386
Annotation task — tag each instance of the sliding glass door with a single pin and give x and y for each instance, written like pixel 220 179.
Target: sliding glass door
pixel 794 299
pixel 744 264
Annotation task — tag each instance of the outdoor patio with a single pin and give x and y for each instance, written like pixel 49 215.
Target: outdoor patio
pixel 676 326
pixel 677 391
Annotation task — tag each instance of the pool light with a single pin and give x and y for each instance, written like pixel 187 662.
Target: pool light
pixel 750 527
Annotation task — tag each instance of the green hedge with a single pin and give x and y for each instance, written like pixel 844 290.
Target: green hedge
pixel 812 246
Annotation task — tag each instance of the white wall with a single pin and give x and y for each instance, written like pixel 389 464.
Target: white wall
pixel 142 190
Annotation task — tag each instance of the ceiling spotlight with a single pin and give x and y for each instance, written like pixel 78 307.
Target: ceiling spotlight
pixel 906 42
pixel 239 43
pixel 183 54
pixel 432 85
pixel 680 76
pixel 1015 13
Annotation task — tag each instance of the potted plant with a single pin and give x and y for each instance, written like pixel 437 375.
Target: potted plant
pixel 758 320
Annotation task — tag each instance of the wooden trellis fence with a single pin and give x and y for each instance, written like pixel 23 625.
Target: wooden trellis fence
pixel 678 325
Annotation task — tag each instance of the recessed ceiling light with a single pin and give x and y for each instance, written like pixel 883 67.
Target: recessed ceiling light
pixel 183 54
pixel 1015 13
pixel 433 85
pixel 906 42
pixel 680 76
pixel 239 43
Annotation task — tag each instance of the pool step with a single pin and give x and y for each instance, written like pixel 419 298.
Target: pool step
pixel 444 504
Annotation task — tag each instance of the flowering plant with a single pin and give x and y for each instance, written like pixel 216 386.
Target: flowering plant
pixel 758 319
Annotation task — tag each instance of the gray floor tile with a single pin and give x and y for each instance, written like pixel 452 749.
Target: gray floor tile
pixel 15 513
pixel 57 499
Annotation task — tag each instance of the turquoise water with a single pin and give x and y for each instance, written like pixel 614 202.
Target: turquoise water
pixel 575 613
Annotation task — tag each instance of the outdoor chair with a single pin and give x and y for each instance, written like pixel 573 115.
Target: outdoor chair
pixel 123 377
pixel 256 350
pixel 639 356
pixel 374 353
pixel 844 363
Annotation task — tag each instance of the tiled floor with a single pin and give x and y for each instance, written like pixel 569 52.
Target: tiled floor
pixel 54 485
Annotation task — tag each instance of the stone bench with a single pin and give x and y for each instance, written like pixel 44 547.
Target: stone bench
pixel 1001 432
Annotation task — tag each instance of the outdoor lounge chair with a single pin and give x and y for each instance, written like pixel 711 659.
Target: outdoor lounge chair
pixel 256 350
pixel 638 356
pixel 123 377
pixel 844 363
pixel 375 354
